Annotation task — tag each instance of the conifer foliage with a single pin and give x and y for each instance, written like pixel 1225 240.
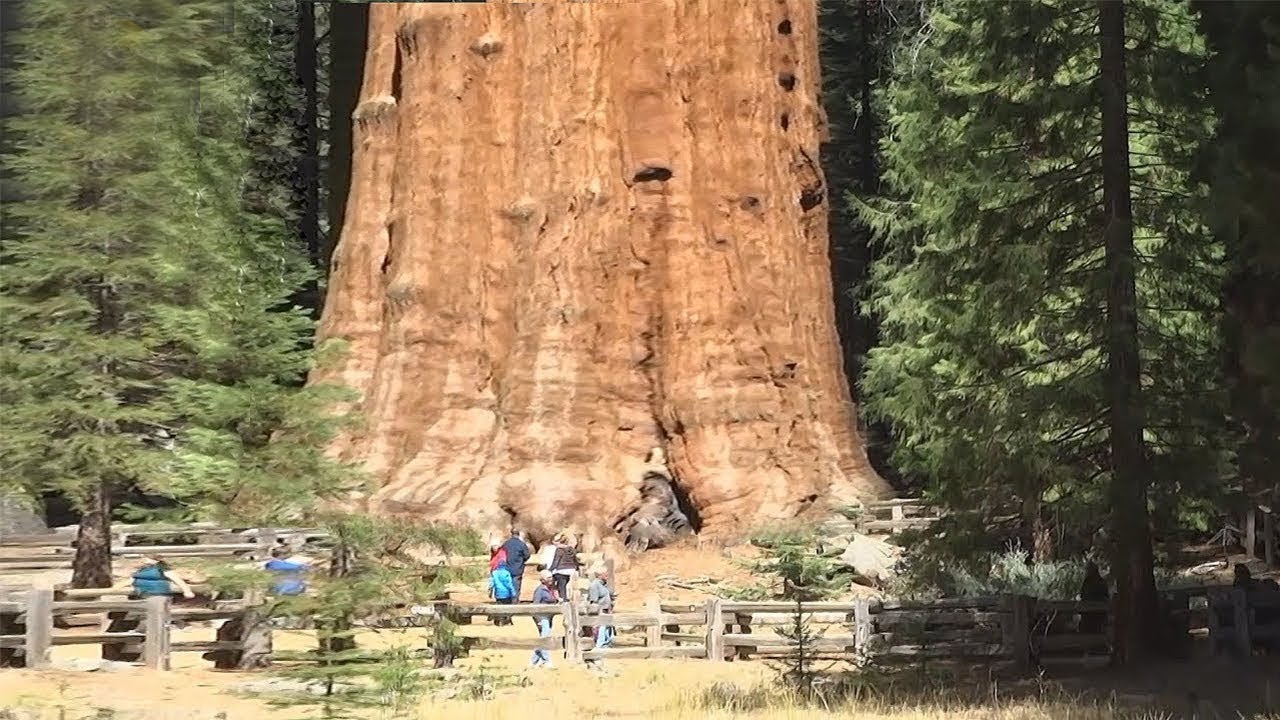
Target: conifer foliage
pixel 101 256
pixel 148 340
pixel 1017 371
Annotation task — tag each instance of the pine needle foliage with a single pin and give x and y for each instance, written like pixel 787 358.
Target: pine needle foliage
pixel 100 257
pixel 990 284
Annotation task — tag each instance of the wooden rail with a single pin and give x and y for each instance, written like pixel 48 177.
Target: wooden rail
pixel 1240 620
pixel 56 549
pixel 890 517
pixel 1017 631
pixel 27 629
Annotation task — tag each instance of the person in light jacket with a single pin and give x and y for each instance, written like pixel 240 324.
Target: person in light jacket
pixel 544 594
pixel 600 595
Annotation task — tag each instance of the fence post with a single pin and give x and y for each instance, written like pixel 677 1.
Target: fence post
pixel 39 633
pixel 653 633
pixel 897 515
pixel 715 631
pixel 861 625
pixel 266 542
pixel 572 634
pixel 155 646
pixel 1016 629
pixel 1240 620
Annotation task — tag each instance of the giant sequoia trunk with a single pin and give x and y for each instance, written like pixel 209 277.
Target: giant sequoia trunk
pixel 577 232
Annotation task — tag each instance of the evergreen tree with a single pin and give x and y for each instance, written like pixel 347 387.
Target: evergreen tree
pixel 99 255
pixel 805 576
pixel 371 575
pixel 1242 165
pixel 252 440
pixel 149 341
pixel 994 287
pixel 858 37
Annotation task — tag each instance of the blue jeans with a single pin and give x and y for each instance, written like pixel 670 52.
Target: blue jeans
pixel 604 636
pixel 542 656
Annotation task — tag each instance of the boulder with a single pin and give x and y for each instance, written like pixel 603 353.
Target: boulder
pixel 870 559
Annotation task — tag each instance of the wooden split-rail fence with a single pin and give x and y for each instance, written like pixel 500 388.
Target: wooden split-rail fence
pixel 890 517
pixel 22 554
pixel 55 550
pixel 1018 632
pixel 996 629
pixel 130 629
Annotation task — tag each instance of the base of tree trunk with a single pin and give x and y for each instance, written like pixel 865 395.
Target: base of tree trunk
pixel 91 567
pixel 252 630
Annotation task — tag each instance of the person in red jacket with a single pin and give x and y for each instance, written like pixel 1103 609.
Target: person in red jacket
pixel 498 565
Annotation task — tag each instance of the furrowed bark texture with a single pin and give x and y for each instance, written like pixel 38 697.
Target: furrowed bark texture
pixel 581 231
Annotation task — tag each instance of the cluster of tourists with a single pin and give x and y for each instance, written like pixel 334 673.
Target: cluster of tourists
pixel 558 569
pixel 558 566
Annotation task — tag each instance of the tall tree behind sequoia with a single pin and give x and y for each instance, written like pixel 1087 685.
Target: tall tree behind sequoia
pixel 287 125
pixel 248 452
pixel 993 287
pixel 858 37
pixel 1243 166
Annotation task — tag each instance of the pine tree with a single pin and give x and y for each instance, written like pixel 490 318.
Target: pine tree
pixel 1242 165
pixel 372 574
pixel 98 258
pixel 252 439
pixel 804 575
pixel 992 289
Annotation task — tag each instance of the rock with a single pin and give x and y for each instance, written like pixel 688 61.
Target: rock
pixel 870 559
pixel 606 292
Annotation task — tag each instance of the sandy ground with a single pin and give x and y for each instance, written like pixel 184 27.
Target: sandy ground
pixel 660 689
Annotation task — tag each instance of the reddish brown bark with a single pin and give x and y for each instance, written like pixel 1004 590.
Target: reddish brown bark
pixel 580 231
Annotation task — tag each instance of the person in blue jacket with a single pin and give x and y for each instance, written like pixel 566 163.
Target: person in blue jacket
pixel 289 570
pixel 156 577
pixel 501 589
pixel 517 557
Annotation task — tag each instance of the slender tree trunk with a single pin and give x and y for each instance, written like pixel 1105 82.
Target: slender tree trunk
pixel 580 231
pixel 1036 533
pixel 91 567
pixel 1132 561
pixel 348 28
pixel 308 168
